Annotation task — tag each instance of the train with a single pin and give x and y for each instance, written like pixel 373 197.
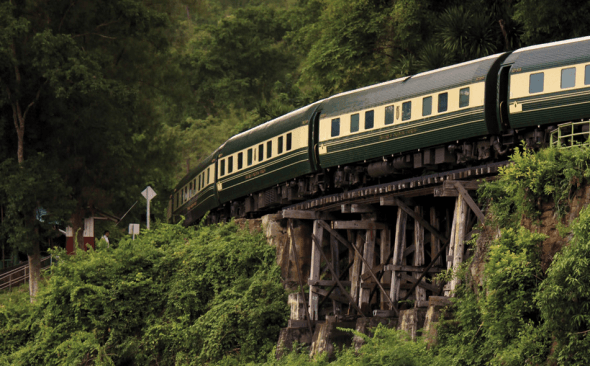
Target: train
pixel 454 116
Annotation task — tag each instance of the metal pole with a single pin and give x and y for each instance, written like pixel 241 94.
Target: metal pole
pixel 148 214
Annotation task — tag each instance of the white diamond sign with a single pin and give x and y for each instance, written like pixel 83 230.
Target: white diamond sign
pixel 148 193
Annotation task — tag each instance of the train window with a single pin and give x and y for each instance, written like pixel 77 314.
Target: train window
pixel 587 75
pixel 369 119
pixel 335 131
pixel 389 115
pixel 536 83
pixel 260 152
pixel 280 145
pixel 354 122
pixel 568 78
pixel 240 160
pixel 443 99
pixel 200 183
pixel 230 164
pixel 427 106
pixel 288 141
pixel 177 200
pixel 269 149
pixel 222 168
pixel 406 111
pixel 249 157
pixel 191 188
pixel 463 97
pixel 208 175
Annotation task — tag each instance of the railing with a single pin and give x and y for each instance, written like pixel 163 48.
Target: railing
pixel 571 134
pixel 20 274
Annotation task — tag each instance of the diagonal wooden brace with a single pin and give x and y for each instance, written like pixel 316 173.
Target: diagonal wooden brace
pixel 470 201
pixel 319 244
pixel 397 202
pixel 368 266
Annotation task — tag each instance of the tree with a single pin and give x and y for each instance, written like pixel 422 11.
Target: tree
pixel 79 79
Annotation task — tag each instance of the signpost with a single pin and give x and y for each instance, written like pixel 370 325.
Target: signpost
pixel 133 229
pixel 148 193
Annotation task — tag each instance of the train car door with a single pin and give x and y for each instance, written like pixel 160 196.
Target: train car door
pixel 314 136
pixel 502 99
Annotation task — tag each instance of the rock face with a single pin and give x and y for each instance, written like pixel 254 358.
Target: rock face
pixel 327 335
pixel 366 325
pixel 436 307
pixel 412 320
pixel 275 230
pixel 289 336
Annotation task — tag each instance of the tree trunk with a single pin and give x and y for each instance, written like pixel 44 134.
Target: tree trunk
pixel 34 270
pixel 77 221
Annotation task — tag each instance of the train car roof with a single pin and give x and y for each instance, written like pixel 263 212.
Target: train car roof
pixel 269 129
pixel 544 56
pixel 407 87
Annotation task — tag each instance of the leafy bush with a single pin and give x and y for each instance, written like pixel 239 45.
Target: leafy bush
pixel 175 295
pixel 564 297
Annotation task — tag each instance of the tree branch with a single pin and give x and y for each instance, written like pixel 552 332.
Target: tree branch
pixel 64 16
pixel 92 33
pixel 34 101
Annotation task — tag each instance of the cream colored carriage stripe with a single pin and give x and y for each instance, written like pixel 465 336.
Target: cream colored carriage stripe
pixel 256 168
pixel 557 106
pixel 545 97
pixel 262 175
pixel 399 138
pixel 262 166
pixel 356 137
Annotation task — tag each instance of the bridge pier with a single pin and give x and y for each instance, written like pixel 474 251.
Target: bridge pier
pixel 377 256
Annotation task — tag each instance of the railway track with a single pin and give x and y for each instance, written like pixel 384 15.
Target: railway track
pixel 409 187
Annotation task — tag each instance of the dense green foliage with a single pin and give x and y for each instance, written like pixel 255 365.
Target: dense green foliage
pixel 172 296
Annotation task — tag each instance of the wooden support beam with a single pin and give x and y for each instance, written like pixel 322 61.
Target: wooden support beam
pixel 307 215
pixel 356 268
pixel 352 302
pixel 314 270
pixel 368 263
pixel 394 201
pixel 369 267
pixel 415 281
pixel 434 242
pixel 293 251
pixel 398 250
pixel 403 268
pixel 336 308
pixel 385 255
pixel 470 202
pixel 331 296
pixel 345 208
pixel 326 283
pixel 428 267
pixel 448 189
pixel 372 285
pixel 333 284
pixel 362 208
pixel 358 225
pixel 419 253
pixel 461 214
pixel 409 250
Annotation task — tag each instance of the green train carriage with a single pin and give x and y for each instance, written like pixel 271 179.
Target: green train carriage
pixel 417 112
pixel 266 156
pixel 196 193
pixel 547 84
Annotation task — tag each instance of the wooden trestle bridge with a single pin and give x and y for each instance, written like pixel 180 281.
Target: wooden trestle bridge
pixel 373 248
